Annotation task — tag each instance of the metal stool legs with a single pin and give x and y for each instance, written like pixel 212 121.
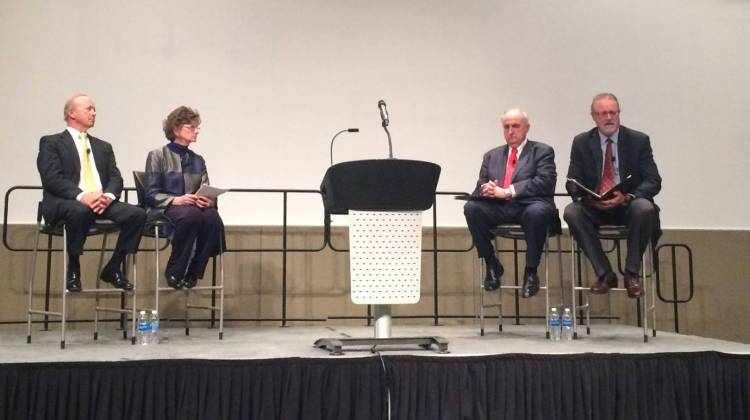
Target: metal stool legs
pixel 213 308
pixel 499 304
pixel 63 313
pixel 30 312
pixel 647 302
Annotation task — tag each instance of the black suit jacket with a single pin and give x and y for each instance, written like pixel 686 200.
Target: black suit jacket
pixel 60 167
pixel 534 177
pixel 635 158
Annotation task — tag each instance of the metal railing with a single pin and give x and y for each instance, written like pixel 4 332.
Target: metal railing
pixel 435 250
pixel 675 300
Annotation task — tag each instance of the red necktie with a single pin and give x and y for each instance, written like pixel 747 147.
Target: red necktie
pixel 608 174
pixel 510 166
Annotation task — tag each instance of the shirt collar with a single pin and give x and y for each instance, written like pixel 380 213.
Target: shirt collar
pixel 520 147
pixel 75 133
pixel 613 137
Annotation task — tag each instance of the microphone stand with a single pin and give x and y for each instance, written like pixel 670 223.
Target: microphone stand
pixel 327 215
pixel 390 145
pixel 351 130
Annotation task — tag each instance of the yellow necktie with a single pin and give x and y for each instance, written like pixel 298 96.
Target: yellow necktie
pixel 88 175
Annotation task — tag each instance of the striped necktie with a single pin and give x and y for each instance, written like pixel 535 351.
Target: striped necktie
pixel 88 174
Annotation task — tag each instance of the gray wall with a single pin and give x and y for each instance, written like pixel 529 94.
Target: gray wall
pixel 275 79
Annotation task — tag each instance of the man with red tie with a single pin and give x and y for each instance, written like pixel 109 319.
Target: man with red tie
pixel 516 185
pixel 600 159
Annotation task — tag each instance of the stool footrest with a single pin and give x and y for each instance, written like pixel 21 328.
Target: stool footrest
pixel 208 308
pixel 206 288
pixel 115 310
pixel 197 288
pixel 101 291
pixel 40 312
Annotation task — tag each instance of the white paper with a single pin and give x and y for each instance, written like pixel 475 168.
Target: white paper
pixel 209 191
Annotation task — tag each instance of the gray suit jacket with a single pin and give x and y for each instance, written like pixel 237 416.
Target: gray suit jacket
pixel 534 177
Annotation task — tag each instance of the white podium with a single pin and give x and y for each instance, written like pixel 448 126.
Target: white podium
pixel 385 200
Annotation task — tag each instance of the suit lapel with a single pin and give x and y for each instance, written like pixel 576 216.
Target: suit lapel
pixel 101 159
pixel 96 154
pixel 622 143
pixel 68 144
pixel 503 163
pixel 522 160
pixel 595 146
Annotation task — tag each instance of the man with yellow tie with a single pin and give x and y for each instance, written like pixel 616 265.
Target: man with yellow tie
pixel 81 183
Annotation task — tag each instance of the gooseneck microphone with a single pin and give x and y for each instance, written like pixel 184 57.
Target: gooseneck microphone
pixel 348 130
pixel 383 112
pixel 386 121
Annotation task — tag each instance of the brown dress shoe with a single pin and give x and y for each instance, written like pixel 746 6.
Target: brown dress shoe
pixel 633 285
pixel 604 283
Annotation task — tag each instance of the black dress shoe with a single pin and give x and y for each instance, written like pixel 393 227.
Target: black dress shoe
pixel 530 284
pixel 494 274
pixel 190 281
pixel 174 282
pixel 116 278
pixel 604 283
pixel 73 282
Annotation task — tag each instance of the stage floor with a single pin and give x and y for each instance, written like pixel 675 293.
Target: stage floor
pixel 268 342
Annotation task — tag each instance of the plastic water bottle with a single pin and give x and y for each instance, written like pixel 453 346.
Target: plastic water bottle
pixel 144 328
pixel 554 324
pixel 567 325
pixel 154 336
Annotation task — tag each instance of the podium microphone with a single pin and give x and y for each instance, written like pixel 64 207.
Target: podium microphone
pixel 384 117
pixel 348 130
pixel 383 113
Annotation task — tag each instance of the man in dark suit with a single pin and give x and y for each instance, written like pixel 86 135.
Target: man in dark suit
pixel 81 183
pixel 601 158
pixel 516 185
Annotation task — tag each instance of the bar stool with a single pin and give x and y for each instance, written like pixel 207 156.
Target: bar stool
pixel 516 233
pixel 100 227
pixel 156 222
pixel 647 305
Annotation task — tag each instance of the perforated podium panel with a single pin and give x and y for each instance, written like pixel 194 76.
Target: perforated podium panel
pixel 385 256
